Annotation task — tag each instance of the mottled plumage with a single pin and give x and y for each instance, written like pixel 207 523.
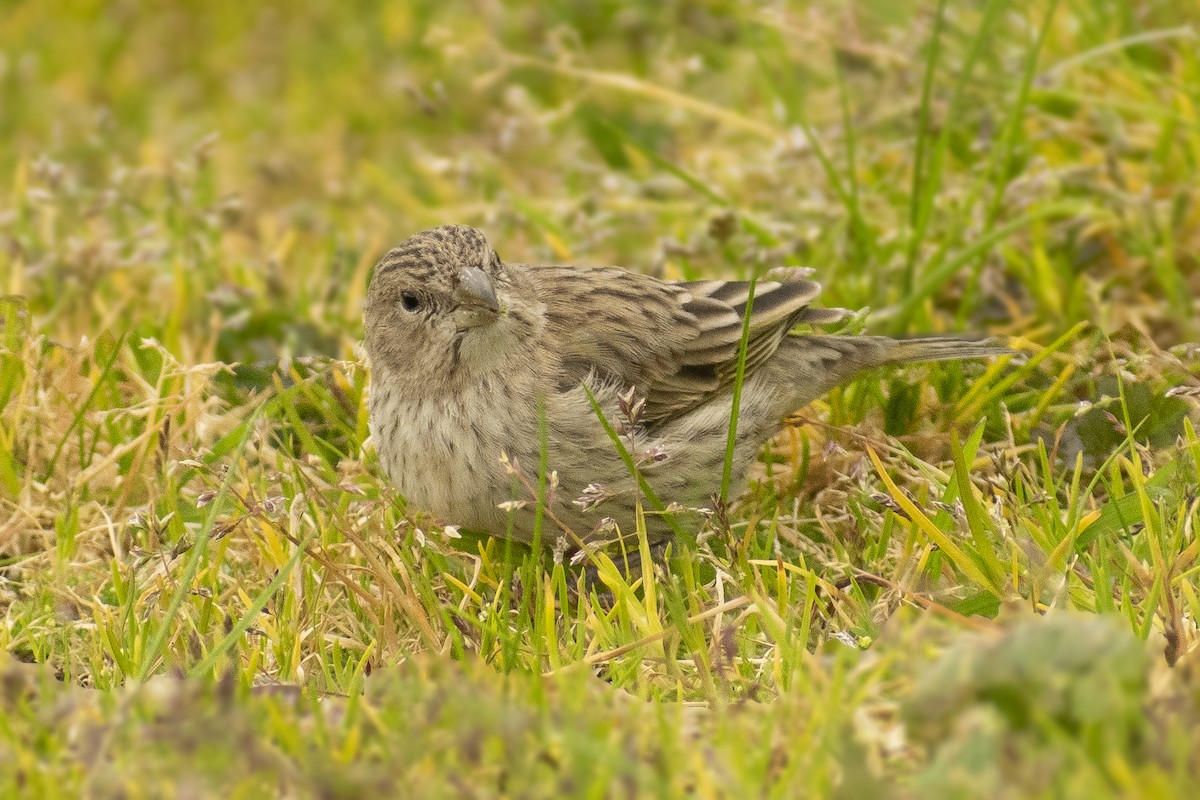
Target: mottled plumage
pixel 466 352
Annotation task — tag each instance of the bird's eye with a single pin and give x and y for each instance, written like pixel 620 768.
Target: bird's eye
pixel 409 301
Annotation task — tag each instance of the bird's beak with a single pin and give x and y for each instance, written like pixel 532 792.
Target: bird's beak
pixel 477 303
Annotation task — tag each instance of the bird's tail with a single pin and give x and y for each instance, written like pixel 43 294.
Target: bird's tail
pixel 813 364
pixel 883 351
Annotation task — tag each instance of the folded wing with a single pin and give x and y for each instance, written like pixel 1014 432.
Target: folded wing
pixel 677 342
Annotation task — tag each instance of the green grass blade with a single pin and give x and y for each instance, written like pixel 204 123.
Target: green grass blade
pixel 739 378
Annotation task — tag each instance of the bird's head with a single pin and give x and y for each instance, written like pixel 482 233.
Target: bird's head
pixel 442 306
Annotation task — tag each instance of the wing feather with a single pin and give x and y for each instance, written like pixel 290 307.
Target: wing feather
pixel 677 342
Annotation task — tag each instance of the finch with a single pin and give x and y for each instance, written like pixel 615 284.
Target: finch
pixel 480 369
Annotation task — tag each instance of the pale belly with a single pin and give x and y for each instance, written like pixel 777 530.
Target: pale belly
pixel 447 461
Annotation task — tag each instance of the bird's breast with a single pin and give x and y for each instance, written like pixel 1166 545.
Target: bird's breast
pixel 443 453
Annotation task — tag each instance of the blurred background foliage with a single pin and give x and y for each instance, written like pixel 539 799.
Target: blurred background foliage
pixel 296 143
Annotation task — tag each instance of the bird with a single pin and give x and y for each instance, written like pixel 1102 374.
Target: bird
pixel 551 404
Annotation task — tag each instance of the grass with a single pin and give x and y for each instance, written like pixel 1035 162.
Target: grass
pixel 955 580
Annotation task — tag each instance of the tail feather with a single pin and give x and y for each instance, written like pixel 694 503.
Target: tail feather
pixel 813 364
pixel 936 348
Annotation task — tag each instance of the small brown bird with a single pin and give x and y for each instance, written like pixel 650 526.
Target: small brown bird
pixel 475 360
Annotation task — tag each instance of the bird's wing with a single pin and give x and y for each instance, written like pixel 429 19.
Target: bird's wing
pixel 676 342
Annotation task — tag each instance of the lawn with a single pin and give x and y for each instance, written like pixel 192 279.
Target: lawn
pixel 953 580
